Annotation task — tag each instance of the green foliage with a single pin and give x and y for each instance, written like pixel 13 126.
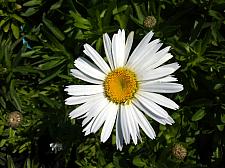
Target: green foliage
pixel 39 41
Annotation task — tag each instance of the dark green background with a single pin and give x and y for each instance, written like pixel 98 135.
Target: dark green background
pixel 32 80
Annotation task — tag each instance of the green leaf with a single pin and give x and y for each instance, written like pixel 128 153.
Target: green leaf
pixel 218 87
pixel 137 21
pixel 223 118
pixel 216 15
pixel 120 9
pixel 51 76
pixel 26 70
pixel 3 21
pixel 30 11
pixel 56 5
pixel 2 102
pixel 198 115
pixel 18 18
pixel 10 163
pixel 15 30
pixel 122 19
pixel 81 22
pixel 51 64
pixel 139 12
pixel 24 147
pixel 137 161
pixel 16 101
pixel 27 163
pixel 215 26
pixel 86 147
pixel 55 30
pixel 99 44
pixel 32 3
pixel 1 129
pixel 2 142
pixel 110 165
pixel 79 18
pixel 28 53
pixel 6 27
pixel 51 103
pixel 11 134
pixel 220 127
pixel 82 26
pixel 220 1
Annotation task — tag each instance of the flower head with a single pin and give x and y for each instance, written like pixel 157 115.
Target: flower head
pixel 179 151
pixel 125 89
pixel 15 119
pixel 149 22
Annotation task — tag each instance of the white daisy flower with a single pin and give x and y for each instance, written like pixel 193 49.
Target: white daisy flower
pixel 125 89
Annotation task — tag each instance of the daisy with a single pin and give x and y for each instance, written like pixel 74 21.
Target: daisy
pixel 124 90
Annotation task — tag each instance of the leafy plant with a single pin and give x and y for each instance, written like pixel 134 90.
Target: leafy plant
pixel 39 41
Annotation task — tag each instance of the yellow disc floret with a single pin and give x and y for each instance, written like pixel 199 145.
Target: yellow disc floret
pixel 120 85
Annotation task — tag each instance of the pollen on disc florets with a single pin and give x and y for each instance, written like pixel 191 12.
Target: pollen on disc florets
pixel 120 85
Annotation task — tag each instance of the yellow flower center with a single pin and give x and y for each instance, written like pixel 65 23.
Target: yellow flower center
pixel 120 85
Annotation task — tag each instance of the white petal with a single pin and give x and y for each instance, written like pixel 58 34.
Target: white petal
pixel 160 99
pixel 140 47
pixel 159 62
pixel 74 100
pixel 108 49
pixel 80 75
pixel 82 90
pixel 77 100
pixel 100 106
pixel 118 48
pixel 132 113
pixel 166 79
pixel 156 57
pixel 87 129
pixel 124 125
pixel 88 68
pixel 95 110
pixel 158 87
pixel 152 115
pixel 114 50
pixel 169 120
pixel 119 133
pixel 100 119
pixel 128 46
pixel 174 66
pixel 157 73
pixel 131 123
pixel 146 53
pixel 98 60
pixel 122 46
pixel 159 111
pixel 109 123
pixel 144 124
pixel 81 110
